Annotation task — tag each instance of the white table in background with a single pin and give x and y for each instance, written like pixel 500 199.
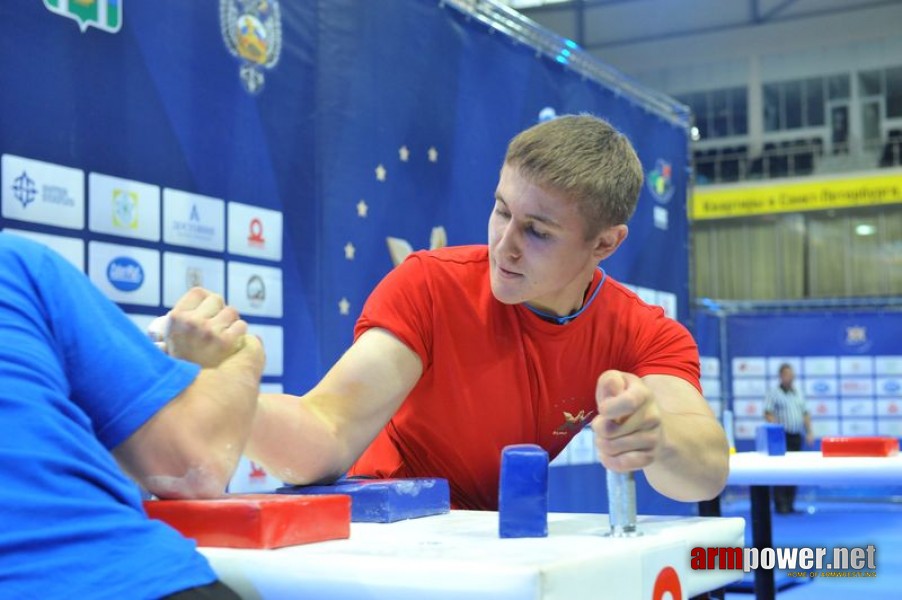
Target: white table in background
pixel 761 471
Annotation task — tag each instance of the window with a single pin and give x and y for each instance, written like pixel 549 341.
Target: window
pixel 814 101
pixel 870 83
pixel 772 112
pixel 792 98
pixel 719 113
pixel 894 92
pixel 838 87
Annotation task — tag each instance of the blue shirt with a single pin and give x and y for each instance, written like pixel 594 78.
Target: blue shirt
pixel 77 378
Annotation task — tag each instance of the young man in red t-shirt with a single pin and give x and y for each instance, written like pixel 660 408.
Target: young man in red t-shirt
pixel 461 351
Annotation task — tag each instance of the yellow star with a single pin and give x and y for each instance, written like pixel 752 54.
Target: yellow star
pixel 349 251
pixel 344 306
pixel 380 173
pixel 361 209
pixel 403 153
pixel 433 154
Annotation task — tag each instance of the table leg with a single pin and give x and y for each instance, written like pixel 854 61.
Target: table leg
pixel 762 538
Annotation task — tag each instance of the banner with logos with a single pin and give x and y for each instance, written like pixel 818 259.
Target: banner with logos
pixel 848 365
pixel 288 154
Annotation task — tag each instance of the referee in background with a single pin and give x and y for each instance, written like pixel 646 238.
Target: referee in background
pixel 786 405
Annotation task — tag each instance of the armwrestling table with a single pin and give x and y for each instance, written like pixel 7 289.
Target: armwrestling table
pixel 460 555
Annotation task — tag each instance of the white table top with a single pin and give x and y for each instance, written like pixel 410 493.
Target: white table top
pixel 812 468
pixel 459 555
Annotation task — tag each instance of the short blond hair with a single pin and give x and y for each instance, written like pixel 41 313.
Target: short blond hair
pixel 587 160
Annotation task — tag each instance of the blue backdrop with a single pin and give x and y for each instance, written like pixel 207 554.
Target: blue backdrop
pixel 356 121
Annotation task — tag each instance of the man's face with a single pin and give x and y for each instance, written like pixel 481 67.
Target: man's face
pixel 538 252
pixel 786 377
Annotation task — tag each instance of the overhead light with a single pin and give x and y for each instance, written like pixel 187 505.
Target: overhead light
pixel 696 136
pixel 865 229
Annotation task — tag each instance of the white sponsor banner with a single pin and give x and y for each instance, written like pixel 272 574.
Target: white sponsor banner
pixel 755 388
pixel 856 386
pixel 775 362
pixel 749 366
pixel 716 407
pixel 856 408
pixel 125 273
pixel 181 272
pixel 823 407
pixel 856 365
pixel 72 249
pixel 821 387
pixel 193 220
pixel 746 429
pixel 891 427
pixel 888 365
pixel 255 231
pixel 858 427
pixel 42 192
pixel 889 407
pixel 668 302
pixel 710 366
pixel 647 295
pixel 748 408
pixel 272 337
pixel 889 386
pixel 255 290
pixel 123 207
pixel 822 428
pixel 710 388
pixel 142 322
pixel 819 366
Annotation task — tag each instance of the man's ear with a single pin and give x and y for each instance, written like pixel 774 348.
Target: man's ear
pixel 609 240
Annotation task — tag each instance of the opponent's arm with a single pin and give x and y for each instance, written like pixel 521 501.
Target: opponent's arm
pixel 318 436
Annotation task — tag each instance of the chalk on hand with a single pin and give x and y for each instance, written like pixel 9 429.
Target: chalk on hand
pixel 386 500
pixel 523 492
pixel 256 520
pixel 770 439
pixel 860 446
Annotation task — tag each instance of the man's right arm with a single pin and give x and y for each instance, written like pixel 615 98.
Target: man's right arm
pixel 317 437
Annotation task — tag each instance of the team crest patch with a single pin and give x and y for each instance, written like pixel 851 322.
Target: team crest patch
pixel 660 181
pixel 105 15
pixel 252 31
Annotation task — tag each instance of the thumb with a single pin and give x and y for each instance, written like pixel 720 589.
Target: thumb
pixel 610 384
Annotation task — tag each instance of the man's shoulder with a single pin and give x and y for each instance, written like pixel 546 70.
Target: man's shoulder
pixel 449 256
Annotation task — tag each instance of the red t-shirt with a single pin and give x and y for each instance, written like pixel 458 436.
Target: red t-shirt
pixel 496 374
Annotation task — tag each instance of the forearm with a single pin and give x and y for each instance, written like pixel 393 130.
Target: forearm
pixel 295 442
pixel 191 447
pixel 693 461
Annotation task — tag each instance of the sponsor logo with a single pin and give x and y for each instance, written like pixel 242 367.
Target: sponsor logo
pixel 856 335
pixel 573 423
pixel 255 233
pixel 105 15
pixel 193 227
pixel 801 562
pixel 125 209
pixel 252 32
pixel 24 189
pixel 256 291
pixel 125 274
pixel 194 277
pixel 660 181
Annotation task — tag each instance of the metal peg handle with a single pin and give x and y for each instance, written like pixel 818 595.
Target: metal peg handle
pixel 622 503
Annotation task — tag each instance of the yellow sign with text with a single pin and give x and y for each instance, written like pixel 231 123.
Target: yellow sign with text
pixel 721 202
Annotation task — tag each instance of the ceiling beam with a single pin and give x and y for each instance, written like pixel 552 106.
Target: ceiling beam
pixel 693 31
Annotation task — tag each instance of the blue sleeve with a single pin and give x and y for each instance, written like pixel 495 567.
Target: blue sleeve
pixel 115 373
